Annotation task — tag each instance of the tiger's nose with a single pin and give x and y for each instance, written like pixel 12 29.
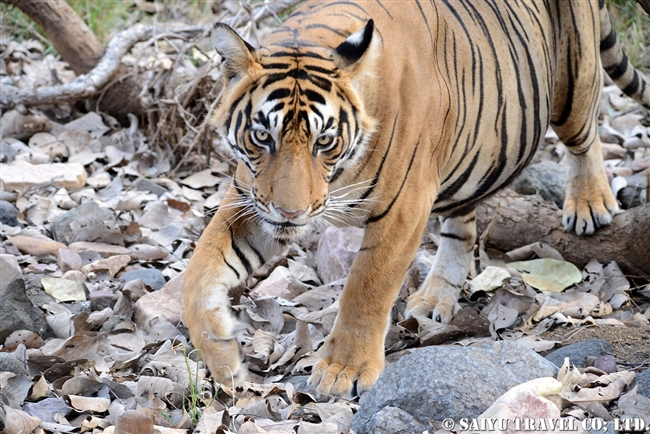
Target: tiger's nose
pixel 289 214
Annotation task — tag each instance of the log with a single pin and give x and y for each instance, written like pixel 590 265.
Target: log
pixel 70 36
pixel 522 220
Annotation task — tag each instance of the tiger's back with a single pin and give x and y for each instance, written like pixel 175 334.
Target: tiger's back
pixel 375 113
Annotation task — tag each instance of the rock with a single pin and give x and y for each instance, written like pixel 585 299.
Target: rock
pixel 393 420
pixel 642 379
pixel 151 277
pixel 147 252
pixel 112 265
pixel 435 383
pixel 634 193
pixel 87 222
pixel 105 250
pixel 337 249
pixel 16 310
pixel 579 352
pixel 167 302
pixel 547 178
pixel 8 213
pixel 101 299
pixel 69 260
pixel 36 246
pixel 11 260
pixel 63 289
pixel 21 175
pixel 145 185
pixel 9 363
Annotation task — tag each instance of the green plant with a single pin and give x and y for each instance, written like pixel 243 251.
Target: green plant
pixel 632 25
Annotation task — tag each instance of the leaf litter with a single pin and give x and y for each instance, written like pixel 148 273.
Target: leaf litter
pixel 115 356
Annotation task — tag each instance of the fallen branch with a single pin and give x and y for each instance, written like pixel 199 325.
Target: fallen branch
pixel 523 220
pixel 90 84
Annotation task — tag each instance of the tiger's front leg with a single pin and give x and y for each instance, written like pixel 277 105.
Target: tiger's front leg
pixel 354 350
pixel 230 248
pixel 438 295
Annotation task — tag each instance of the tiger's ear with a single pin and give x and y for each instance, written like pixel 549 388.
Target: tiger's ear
pixel 238 55
pixel 352 50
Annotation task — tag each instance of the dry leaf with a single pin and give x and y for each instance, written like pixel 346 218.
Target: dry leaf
pixel 548 275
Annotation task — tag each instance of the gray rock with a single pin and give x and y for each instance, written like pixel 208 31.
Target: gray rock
pixel 634 194
pixel 9 363
pixel 16 310
pixel 8 213
pixel 151 277
pixel 547 178
pixel 435 383
pixel 393 420
pixel 642 379
pixel 148 186
pixel 579 352
pixel 87 222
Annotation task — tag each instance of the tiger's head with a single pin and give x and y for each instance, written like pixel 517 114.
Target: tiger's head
pixel 293 113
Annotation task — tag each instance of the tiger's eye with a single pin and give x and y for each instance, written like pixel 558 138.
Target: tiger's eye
pixel 324 141
pixel 261 136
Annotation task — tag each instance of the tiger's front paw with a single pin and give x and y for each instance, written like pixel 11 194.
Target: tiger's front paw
pixel 589 204
pixel 213 333
pixel 347 359
pixel 439 303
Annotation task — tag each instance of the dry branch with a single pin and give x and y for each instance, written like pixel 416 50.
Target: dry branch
pixel 522 220
pixel 88 85
pixel 70 36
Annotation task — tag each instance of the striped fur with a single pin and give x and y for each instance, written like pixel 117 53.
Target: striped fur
pixel 375 113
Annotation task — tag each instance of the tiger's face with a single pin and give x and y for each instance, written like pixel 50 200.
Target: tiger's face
pixel 294 118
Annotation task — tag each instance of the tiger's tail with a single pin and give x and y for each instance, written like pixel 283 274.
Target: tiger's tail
pixel 617 65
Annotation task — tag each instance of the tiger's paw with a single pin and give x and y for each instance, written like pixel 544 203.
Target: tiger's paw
pixel 439 304
pixel 589 205
pixel 345 362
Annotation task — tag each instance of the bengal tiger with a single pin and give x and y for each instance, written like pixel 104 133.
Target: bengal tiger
pixel 376 113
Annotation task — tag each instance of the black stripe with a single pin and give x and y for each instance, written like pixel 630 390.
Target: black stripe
pixel 278 94
pixel 452 236
pixel 616 71
pixel 609 41
pixel 633 87
pixel 242 258
pixel 384 8
pixel 257 252
pixel 328 28
pixel 230 266
pixel 399 192
pixel 314 96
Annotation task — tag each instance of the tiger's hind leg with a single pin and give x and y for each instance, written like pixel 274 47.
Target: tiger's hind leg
pixel 589 201
pixel 439 293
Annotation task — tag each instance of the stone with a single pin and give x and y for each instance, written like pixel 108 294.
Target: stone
pixel 547 178
pixel 147 252
pixel 435 383
pixel 112 265
pixel 168 302
pixel 22 176
pixel 145 185
pixel 87 222
pixel 633 194
pixel 579 352
pixel 393 420
pixel 105 250
pixel 63 289
pixel 69 260
pixel 8 213
pixel 337 249
pixel 16 310
pixel 642 380
pixel 36 246
pixel 151 277
pixel 9 363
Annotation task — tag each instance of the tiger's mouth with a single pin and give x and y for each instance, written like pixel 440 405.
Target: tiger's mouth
pixel 286 230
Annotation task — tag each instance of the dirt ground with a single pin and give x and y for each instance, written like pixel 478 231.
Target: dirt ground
pixel 631 345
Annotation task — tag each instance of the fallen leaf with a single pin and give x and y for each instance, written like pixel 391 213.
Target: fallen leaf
pixel 547 275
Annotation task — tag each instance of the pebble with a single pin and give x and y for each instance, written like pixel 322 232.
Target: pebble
pixel 151 277
pixel 36 246
pixel 8 213
pixel 112 265
pixel 579 352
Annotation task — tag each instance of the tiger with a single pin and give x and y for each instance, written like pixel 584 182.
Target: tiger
pixel 377 114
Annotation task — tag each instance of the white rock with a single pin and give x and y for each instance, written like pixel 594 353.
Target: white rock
pixel 21 175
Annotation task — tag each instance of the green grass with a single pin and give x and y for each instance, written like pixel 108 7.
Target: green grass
pixel 632 25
